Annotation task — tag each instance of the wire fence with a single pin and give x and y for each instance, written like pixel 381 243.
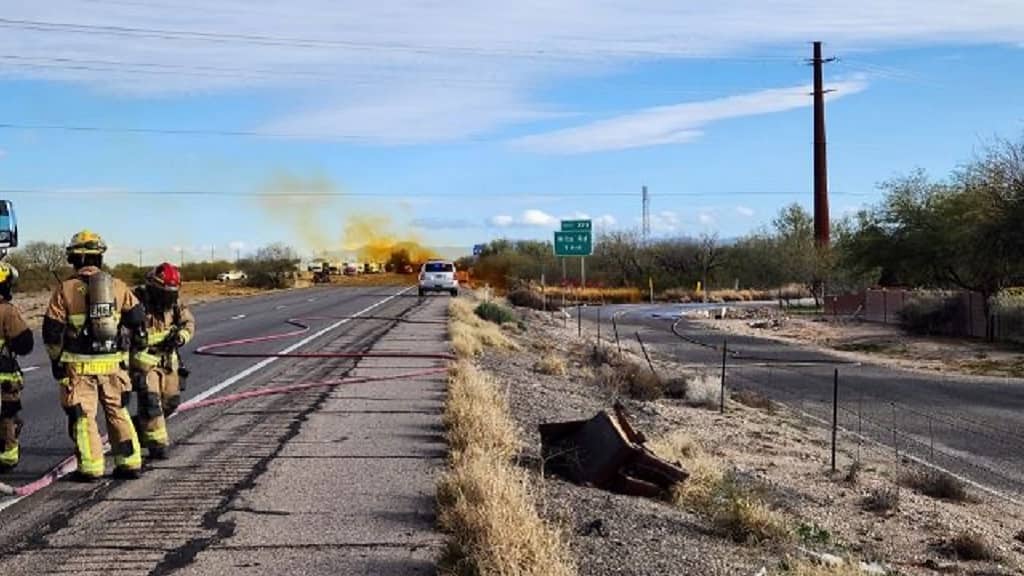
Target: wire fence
pixel 850 398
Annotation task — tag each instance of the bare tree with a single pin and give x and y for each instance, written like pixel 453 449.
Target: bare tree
pixel 707 258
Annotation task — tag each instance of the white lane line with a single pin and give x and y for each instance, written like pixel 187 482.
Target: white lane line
pixel 258 366
pixel 268 361
pixel 237 317
pixel 310 299
pixel 29 368
pixel 280 307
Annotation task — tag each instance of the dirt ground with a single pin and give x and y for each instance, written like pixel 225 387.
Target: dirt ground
pixel 782 454
pixel 880 343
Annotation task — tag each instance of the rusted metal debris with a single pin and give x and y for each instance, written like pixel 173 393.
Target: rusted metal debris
pixel 608 453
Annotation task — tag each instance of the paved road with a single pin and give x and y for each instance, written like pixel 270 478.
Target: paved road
pixel 972 426
pixel 260 485
pixel 44 439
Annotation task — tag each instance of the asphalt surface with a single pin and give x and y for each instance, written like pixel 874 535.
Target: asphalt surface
pixel 971 426
pixel 235 468
pixel 44 439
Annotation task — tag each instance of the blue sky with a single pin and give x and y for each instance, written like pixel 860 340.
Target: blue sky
pixel 460 122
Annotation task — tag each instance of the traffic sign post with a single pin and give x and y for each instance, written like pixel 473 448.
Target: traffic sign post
pixel 575 239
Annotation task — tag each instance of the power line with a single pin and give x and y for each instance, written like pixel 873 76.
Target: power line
pixel 19 62
pixel 268 40
pixel 341 195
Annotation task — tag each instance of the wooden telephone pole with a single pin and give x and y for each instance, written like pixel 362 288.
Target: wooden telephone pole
pixel 821 213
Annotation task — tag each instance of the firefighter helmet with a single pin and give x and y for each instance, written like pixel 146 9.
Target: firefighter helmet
pixel 86 242
pixel 164 277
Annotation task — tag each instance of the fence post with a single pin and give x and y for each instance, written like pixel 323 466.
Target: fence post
pixel 721 397
pixel 835 415
pixel 579 320
pixel 646 355
pixel 615 328
pixel 598 325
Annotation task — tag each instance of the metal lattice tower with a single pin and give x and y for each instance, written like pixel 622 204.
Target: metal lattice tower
pixel 646 218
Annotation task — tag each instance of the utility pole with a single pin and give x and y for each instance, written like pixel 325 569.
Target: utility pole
pixel 821 217
pixel 213 247
pixel 140 257
pixel 645 228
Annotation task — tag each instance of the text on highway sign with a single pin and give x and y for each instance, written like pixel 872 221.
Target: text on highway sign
pixel 573 244
pixel 575 225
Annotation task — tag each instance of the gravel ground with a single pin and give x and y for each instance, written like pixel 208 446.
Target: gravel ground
pixel 785 455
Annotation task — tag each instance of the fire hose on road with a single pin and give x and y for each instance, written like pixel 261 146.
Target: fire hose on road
pixel 221 350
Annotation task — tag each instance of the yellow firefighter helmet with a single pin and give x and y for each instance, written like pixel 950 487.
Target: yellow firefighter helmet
pixel 86 242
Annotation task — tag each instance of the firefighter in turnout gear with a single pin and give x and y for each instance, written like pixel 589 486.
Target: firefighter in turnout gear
pixel 15 340
pixel 158 375
pixel 91 324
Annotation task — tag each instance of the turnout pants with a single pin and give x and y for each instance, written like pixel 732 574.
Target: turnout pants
pixel 81 397
pixel 10 424
pixel 159 392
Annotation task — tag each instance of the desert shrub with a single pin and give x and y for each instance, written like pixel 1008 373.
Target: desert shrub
pixel 881 500
pixel 527 298
pixel 704 390
pixel 493 312
pixel 552 364
pixel 633 380
pixel 1008 309
pixel 932 313
pixel 274 266
pixel 935 483
pixel 603 356
pixel 969 546
pixel 469 333
pixel 752 399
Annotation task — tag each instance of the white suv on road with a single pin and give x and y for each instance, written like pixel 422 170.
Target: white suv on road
pixel 438 276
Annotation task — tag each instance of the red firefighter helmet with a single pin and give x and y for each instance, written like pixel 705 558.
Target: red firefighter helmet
pixel 164 277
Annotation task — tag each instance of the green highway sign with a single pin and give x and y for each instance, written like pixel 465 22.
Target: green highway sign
pixel 575 225
pixel 573 243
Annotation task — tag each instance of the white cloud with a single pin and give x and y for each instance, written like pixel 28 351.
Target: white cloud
pixel 539 218
pixel 745 211
pixel 237 245
pixel 706 218
pixel 674 124
pixel 530 218
pixel 605 221
pixel 665 221
pixel 393 71
pixel 502 220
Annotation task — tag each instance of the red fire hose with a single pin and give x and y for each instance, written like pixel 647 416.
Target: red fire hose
pixel 217 349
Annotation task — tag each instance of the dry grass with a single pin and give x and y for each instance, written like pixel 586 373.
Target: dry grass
pixel 484 501
pixel 595 295
pixel 935 483
pixel 551 363
pixel 752 399
pixel 704 390
pixel 470 334
pixel 788 292
pixel 817 569
pixel 715 494
pixel 969 546
pixel 882 500
pixel 476 414
pixel 487 509
pixel 631 379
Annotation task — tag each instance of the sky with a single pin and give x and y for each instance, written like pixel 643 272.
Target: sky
pixel 189 129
